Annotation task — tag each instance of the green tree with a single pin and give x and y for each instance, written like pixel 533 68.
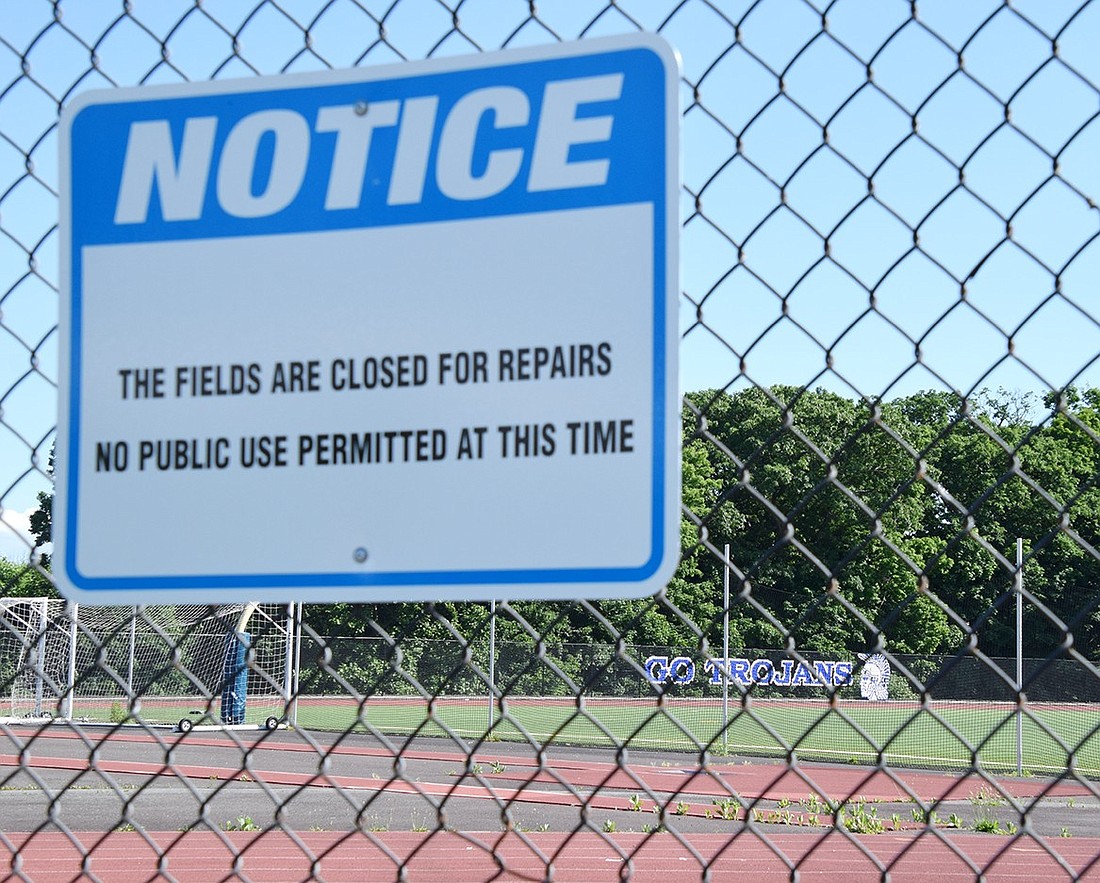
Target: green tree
pixel 831 533
pixel 42 525
pixel 23 581
pixel 42 518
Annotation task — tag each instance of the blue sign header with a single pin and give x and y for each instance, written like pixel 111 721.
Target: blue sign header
pixel 529 136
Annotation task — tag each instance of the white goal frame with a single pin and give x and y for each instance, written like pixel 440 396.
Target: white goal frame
pixel 155 665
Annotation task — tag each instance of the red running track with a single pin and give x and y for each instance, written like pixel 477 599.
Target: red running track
pixel 742 854
pixel 762 779
pixel 585 857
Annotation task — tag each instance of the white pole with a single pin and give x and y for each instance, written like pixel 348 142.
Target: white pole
pixel 130 663
pixel 725 650
pixel 296 664
pixel 40 656
pixel 1019 654
pixel 288 666
pixel 492 658
pixel 70 674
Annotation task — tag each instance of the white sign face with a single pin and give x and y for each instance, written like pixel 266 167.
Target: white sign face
pixel 399 333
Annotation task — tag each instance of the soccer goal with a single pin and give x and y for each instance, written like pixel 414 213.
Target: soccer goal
pixel 185 666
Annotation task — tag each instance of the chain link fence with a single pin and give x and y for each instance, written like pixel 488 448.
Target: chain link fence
pixel 885 619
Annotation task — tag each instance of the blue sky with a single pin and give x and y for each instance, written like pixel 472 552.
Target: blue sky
pixel 829 225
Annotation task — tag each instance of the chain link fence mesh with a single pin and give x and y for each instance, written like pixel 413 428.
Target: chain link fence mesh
pixel 889 346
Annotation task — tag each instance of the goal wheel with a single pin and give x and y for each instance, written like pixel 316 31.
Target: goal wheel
pixel 272 723
pixel 185 725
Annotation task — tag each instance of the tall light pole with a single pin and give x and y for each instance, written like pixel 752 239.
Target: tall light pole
pixel 492 659
pixel 1019 655
pixel 726 650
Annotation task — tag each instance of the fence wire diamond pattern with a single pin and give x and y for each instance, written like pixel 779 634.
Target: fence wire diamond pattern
pixel 891 453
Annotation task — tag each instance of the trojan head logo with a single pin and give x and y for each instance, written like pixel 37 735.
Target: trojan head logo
pixel 874 679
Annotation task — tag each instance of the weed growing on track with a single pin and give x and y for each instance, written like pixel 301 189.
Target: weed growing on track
pixel 727 808
pixel 859 819
pixel 986 796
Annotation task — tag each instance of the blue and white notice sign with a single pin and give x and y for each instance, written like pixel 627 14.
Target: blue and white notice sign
pixel 395 333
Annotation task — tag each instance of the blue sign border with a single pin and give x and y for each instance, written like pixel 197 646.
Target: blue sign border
pixel 92 151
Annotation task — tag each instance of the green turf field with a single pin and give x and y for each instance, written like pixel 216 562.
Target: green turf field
pixel 956 735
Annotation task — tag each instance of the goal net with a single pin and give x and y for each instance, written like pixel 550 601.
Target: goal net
pixel 181 665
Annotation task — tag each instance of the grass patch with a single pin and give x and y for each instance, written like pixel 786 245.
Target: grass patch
pixel 904 734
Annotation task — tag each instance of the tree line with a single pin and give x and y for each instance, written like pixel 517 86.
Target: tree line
pixel 850 523
pixel 850 518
